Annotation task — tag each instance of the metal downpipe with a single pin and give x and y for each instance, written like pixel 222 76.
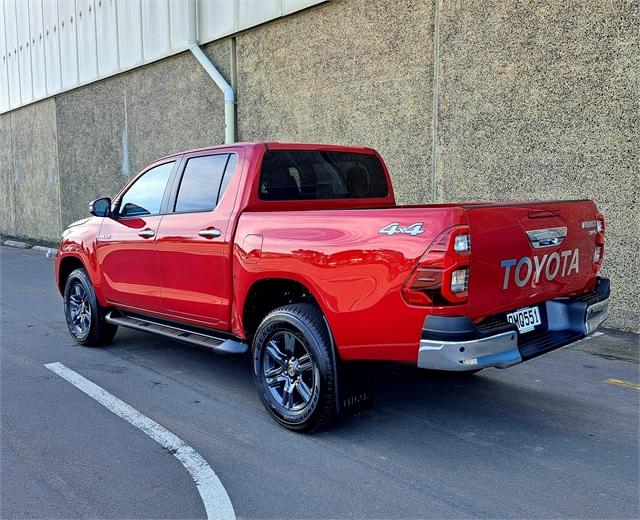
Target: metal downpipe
pixel 227 90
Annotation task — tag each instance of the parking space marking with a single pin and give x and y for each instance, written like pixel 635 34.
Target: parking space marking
pixel 215 498
pixel 622 382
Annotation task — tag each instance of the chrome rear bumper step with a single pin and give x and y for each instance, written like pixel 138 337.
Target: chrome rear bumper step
pixel 226 346
pixel 455 343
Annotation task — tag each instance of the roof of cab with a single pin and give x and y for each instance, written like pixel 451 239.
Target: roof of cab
pixel 274 145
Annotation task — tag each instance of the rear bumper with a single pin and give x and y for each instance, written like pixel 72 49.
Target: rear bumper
pixel 457 344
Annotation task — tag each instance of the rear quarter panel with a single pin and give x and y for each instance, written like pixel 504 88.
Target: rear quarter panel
pixel 354 272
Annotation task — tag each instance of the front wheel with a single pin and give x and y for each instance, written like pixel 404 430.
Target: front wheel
pixel 85 317
pixel 293 367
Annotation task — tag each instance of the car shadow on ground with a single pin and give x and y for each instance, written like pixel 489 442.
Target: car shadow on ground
pixel 407 399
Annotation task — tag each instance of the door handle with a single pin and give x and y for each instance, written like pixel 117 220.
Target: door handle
pixel 147 233
pixel 210 233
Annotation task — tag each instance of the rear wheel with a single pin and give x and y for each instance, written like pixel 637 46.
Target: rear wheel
pixel 293 367
pixel 85 317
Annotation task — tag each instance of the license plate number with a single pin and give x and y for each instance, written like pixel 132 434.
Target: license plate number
pixel 526 319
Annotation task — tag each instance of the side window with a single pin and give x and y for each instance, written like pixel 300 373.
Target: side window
pixel 203 182
pixel 228 173
pixel 144 197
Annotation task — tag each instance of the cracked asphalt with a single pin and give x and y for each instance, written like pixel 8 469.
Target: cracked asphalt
pixel 550 438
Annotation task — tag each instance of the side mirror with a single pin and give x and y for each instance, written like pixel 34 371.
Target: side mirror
pixel 101 207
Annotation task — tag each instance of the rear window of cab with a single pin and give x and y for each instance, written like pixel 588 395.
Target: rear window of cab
pixel 321 175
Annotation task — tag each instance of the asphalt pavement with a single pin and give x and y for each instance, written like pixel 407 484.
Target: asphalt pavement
pixel 556 437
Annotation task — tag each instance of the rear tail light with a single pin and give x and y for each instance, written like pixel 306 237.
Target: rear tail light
pixel 600 223
pixel 459 280
pixel 598 252
pixel 442 274
pixel 462 244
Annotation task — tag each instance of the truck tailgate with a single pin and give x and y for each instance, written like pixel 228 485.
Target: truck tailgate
pixel 526 253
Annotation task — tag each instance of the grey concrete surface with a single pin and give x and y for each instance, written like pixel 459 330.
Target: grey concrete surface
pixel 541 101
pixel 36 178
pixel 175 106
pixel 348 72
pixel 91 131
pixel 534 101
pixel 110 130
pixel 545 439
pixel 7 212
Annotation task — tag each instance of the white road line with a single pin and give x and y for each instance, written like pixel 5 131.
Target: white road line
pixel 214 496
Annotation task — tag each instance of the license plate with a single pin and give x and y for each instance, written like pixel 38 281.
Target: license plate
pixel 526 319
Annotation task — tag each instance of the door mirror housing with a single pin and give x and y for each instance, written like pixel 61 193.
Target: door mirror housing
pixel 101 207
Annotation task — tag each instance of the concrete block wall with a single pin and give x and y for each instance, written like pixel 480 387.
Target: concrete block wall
pixel 351 72
pixel 108 131
pixel 7 213
pixel 534 100
pixel 541 100
pixel 30 181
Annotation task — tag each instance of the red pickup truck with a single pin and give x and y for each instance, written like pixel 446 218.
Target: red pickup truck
pixel 299 255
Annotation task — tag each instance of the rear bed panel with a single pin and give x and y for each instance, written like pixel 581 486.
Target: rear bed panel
pixel 507 272
pixel 355 271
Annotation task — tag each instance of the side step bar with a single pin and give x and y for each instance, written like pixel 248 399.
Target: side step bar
pixel 226 346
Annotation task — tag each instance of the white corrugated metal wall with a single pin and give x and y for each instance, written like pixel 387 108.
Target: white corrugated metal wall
pixel 48 46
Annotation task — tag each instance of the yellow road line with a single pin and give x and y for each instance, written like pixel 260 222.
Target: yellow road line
pixel 622 382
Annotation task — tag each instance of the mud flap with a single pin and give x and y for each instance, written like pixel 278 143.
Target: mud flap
pixel 354 383
pixel 355 388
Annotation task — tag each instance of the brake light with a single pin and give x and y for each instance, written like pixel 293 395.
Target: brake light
pixel 441 276
pixel 598 252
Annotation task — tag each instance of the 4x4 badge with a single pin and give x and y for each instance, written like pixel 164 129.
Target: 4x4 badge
pixel 394 228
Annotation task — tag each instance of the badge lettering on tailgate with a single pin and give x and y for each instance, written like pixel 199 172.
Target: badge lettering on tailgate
pixel 529 271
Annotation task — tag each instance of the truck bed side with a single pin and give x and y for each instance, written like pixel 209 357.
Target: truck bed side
pixel 354 272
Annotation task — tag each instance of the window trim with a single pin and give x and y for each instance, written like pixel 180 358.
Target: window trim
pixel 175 189
pixel 176 160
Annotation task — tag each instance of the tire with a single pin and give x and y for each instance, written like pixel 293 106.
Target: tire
pixel 84 316
pixel 293 367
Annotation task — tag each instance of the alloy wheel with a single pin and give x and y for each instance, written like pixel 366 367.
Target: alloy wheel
pixel 79 310
pixel 289 371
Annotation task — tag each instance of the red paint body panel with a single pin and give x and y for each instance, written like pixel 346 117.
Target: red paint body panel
pixel 129 271
pixel 354 272
pixel 332 247
pixel 79 245
pixel 497 239
pixel 196 271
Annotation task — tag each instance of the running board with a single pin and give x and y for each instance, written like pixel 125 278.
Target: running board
pixel 226 346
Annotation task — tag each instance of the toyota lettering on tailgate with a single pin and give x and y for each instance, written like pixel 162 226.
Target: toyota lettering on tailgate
pixel 529 270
